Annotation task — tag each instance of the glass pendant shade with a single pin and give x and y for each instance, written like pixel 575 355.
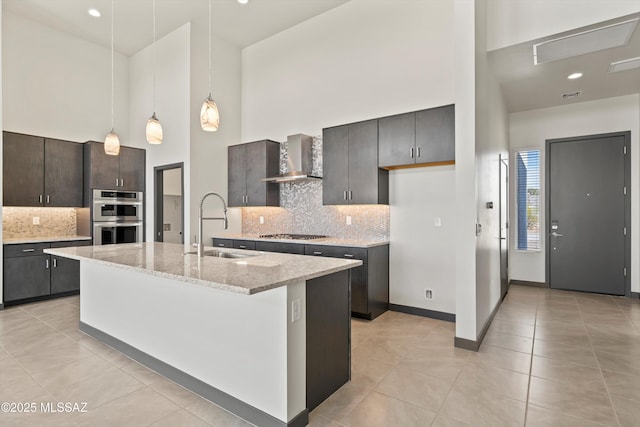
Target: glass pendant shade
pixel 209 116
pixel 112 144
pixel 154 130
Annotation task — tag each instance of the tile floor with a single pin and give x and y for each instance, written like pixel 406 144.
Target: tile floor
pixel 551 358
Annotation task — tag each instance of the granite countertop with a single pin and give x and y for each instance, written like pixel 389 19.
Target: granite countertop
pixel 266 270
pixel 47 239
pixel 328 241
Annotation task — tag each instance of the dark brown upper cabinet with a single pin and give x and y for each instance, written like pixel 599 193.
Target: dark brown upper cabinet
pixel 350 166
pixel 125 171
pixel 41 171
pixel 419 138
pixel 247 165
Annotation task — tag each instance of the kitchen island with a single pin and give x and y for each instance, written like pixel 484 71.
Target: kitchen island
pixel 264 335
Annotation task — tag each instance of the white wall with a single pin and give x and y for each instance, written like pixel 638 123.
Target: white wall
pixel 530 129
pixel 515 21
pixel 491 143
pixel 172 109
pixel 363 60
pixel 59 86
pixel 209 149
pixel 465 240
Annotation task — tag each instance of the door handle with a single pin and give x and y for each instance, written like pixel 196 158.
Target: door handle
pixel 418 150
pixel 121 182
pixel 46 263
pixel 317 252
pixel 28 250
pixel 116 182
pixel 554 234
pixel 48 199
pixel 411 152
pixel 348 255
pixel 40 199
pixel 350 195
pixel 55 262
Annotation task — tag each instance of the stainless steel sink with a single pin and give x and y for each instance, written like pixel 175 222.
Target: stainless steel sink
pixel 221 254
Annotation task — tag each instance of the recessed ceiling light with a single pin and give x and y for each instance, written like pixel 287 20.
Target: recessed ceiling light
pixel 95 13
pixel 574 76
pixel 571 95
pixel 243 1
pixel 627 64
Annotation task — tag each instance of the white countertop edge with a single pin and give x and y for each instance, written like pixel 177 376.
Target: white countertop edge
pixel 49 239
pixel 207 283
pixel 325 241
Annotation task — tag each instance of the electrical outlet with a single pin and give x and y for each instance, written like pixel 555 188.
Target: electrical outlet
pixel 348 219
pixel 296 310
pixel 36 220
pixel 428 293
pixel 437 222
pixel 261 220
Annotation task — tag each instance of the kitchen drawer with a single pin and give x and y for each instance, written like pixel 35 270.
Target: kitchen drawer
pixel 71 243
pixel 244 244
pixel 336 252
pixel 287 248
pixel 25 249
pixel 223 243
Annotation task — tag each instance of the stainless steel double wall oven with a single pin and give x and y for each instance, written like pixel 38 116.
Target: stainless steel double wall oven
pixel 118 217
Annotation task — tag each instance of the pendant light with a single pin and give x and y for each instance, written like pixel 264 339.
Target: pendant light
pixel 209 116
pixel 112 142
pixel 154 128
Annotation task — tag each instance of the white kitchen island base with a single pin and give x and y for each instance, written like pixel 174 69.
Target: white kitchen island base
pixel 242 352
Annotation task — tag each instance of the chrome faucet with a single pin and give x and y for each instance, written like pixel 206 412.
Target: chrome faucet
pixel 201 219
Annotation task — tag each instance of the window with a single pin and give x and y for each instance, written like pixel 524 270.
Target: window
pixel 528 199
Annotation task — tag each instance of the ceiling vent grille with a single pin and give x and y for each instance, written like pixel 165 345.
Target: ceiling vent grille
pixel 614 35
pixel 627 64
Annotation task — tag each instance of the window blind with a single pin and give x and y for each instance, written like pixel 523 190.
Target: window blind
pixel 528 200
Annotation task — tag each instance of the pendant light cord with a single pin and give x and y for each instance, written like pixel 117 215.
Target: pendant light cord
pixel 112 78
pixel 209 49
pixel 154 57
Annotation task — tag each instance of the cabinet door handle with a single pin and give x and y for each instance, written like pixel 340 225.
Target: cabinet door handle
pixel 418 151
pixel 345 194
pixel 116 182
pixel 350 195
pixel 28 250
pixel 247 199
pixel 411 152
pixel 46 263
pixel 48 199
pixel 55 262
pixel 40 198
pixel 221 245
pixel 317 252
pixel 348 255
pixel 121 182
pixel 243 247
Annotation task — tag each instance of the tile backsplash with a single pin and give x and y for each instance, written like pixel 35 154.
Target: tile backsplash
pixel 301 210
pixel 17 222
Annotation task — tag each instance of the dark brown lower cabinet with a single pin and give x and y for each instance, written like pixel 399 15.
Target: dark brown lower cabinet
pixel 328 336
pixel 369 282
pixel 29 274
pixel 25 277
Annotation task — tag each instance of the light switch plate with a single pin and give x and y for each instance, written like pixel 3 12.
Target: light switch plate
pixel 437 222
pixel 36 220
pixel 348 219
pixel 261 219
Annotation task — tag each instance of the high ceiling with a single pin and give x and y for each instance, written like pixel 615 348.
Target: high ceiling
pixel 527 86
pixel 241 24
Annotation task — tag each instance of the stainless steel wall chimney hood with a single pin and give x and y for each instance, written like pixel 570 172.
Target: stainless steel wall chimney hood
pixel 299 161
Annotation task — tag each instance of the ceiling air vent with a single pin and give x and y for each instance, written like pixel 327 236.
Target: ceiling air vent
pixel 571 95
pixel 614 35
pixel 627 64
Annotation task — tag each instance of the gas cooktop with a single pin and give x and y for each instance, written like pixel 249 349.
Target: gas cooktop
pixel 291 236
